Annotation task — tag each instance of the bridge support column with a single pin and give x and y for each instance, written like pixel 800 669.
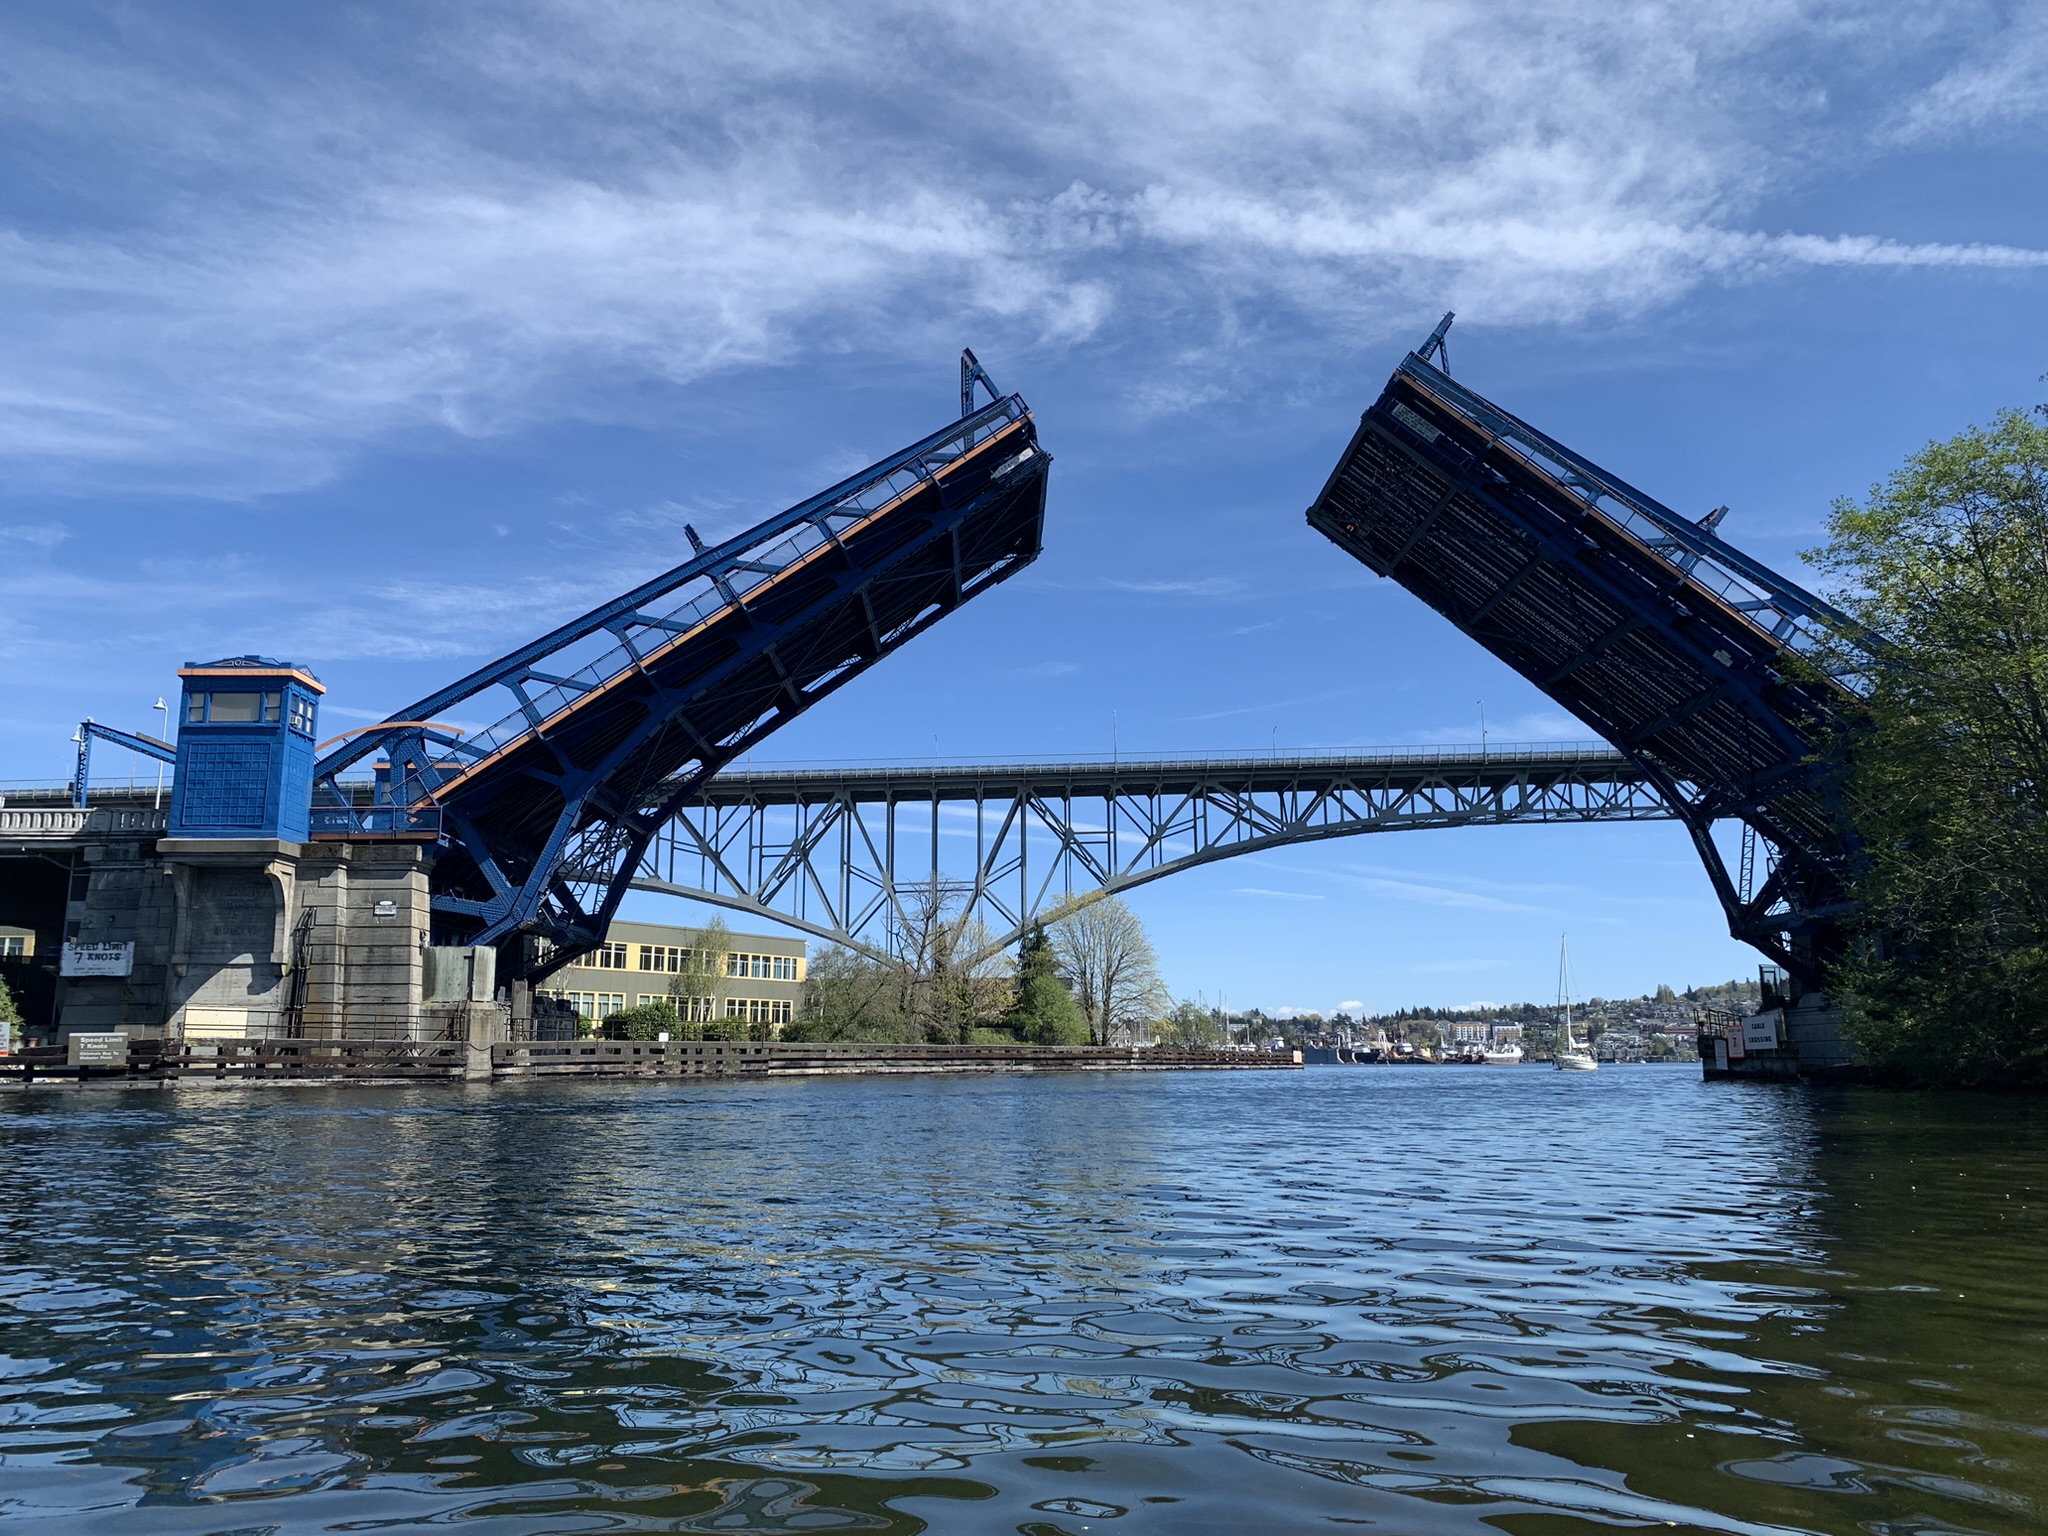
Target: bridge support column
pixel 119 895
pixel 361 934
pixel 232 901
pixel 1814 1027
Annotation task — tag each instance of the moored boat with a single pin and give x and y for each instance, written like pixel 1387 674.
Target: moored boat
pixel 1570 1056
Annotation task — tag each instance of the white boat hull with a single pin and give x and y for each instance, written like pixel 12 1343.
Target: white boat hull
pixel 1577 1062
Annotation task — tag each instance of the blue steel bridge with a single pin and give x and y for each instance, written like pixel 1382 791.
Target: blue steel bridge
pixel 1718 688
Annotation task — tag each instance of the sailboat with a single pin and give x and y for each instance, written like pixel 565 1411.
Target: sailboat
pixel 1570 1056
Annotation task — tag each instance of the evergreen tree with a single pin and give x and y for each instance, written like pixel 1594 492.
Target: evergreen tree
pixel 1035 956
pixel 1046 1014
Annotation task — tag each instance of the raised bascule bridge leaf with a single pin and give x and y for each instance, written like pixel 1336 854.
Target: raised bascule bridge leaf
pixel 1727 683
pixel 614 720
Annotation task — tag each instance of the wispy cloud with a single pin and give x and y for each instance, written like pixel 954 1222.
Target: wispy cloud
pixel 1538 725
pixel 2000 82
pixel 463 217
pixel 1268 707
pixel 1260 890
pixel 38 536
pixel 1164 586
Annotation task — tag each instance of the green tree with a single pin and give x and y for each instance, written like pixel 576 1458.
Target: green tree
pixel 1035 956
pixel 1108 964
pixel 10 1011
pixel 649 1021
pixel 849 996
pixel 1189 1026
pixel 1946 979
pixel 1046 1014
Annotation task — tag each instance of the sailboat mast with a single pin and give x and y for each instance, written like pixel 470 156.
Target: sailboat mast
pixel 1564 987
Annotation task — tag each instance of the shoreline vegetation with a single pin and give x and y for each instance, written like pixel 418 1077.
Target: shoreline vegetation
pixel 1088 978
pixel 1944 978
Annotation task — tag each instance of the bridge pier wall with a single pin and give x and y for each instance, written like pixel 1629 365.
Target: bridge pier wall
pixel 361 932
pixel 252 938
pixel 120 894
pixel 1812 1047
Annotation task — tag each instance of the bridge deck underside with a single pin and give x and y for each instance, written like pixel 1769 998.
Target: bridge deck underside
pixel 1614 630
pixel 706 695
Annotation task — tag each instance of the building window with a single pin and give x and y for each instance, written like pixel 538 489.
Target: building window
pixel 663 957
pixel 762 967
pixel 592 1005
pixel 14 945
pixel 608 957
pixel 691 1010
pixel 195 708
pixel 236 709
pixel 760 1010
pixel 302 714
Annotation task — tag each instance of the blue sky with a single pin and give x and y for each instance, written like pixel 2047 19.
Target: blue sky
pixel 383 336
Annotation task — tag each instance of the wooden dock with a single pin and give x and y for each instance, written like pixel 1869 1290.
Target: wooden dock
pixel 155 1062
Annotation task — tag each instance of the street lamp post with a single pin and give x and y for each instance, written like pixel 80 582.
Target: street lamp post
pixel 165 710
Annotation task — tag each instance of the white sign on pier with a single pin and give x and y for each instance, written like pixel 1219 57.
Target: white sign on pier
pixel 97 959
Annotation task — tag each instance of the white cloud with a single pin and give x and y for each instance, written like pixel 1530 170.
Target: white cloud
pixel 38 536
pixel 2001 82
pixel 459 218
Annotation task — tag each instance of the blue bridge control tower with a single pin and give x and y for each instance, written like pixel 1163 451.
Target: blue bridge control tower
pixel 245 750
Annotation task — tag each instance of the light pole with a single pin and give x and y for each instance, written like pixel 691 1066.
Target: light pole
pixel 165 736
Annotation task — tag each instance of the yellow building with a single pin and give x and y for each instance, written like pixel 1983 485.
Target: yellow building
pixel 757 978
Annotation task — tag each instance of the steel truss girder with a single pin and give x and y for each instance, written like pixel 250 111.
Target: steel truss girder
pixel 855 857
pixel 618 716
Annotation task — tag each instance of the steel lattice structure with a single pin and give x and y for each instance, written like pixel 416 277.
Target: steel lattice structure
pixel 1724 682
pixel 849 855
pixel 615 719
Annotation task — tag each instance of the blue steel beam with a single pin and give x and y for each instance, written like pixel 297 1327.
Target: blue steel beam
pixel 90 728
pixel 542 813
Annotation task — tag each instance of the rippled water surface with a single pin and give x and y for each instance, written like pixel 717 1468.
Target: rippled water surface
pixel 1406 1301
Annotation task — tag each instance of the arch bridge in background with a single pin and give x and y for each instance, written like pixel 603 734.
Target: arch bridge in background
pixel 869 856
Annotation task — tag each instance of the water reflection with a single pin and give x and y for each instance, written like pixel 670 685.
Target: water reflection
pixel 1427 1301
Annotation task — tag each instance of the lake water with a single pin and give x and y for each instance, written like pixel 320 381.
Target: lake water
pixel 1478 1300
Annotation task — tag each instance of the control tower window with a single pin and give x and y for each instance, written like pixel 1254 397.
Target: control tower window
pixel 236 708
pixel 302 714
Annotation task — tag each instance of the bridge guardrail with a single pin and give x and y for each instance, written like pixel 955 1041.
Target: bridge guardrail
pixel 398 822
pixel 74 821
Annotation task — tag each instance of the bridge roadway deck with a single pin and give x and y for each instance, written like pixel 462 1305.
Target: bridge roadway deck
pixel 877 783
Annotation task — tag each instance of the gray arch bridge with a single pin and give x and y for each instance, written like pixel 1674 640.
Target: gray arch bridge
pixel 866 857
